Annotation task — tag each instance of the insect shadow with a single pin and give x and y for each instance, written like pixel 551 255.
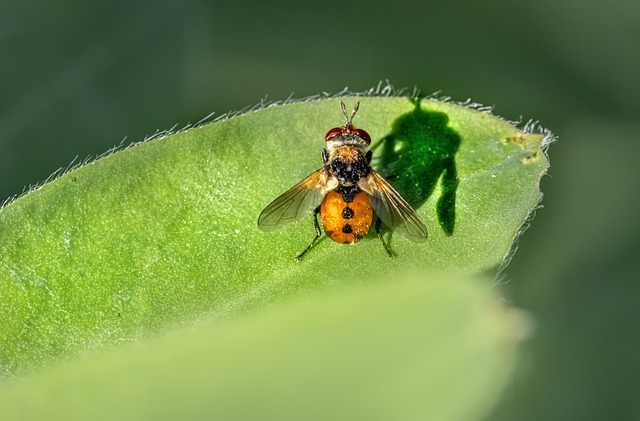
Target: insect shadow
pixel 419 151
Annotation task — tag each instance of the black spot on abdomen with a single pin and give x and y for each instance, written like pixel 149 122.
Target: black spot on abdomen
pixel 347 213
pixel 347 229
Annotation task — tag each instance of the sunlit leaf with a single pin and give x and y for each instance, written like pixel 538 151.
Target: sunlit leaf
pixel 163 235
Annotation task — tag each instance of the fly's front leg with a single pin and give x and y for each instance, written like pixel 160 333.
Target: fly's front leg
pixel 318 233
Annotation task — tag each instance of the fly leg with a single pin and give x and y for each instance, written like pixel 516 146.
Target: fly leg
pixel 318 234
pixel 378 226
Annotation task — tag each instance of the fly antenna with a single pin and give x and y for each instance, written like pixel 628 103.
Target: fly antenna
pixel 355 110
pixel 353 113
pixel 344 111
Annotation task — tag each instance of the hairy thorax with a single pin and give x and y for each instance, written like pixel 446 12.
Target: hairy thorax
pixel 348 164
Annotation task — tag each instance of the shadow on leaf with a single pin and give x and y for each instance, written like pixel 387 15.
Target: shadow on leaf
pixel 420 150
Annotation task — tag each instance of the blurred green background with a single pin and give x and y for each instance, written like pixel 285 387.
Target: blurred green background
pixel 79 77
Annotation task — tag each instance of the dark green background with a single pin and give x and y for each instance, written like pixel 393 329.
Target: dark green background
pixel 76 78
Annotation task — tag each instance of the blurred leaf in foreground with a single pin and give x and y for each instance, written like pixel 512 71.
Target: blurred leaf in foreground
pixel 413 349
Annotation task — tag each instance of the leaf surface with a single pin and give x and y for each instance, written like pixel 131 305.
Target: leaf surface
pixel 164 234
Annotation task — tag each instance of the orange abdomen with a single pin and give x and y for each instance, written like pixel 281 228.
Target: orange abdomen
pixel 346 222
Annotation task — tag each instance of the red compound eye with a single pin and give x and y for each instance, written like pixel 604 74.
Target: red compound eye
pixel 331 133
pixel 363 135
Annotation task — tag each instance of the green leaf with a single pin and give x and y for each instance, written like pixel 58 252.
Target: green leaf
pixel 417 348
pixel 163 235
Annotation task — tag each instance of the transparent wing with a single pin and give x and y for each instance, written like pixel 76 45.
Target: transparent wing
pixel 296 202
pixel 394 211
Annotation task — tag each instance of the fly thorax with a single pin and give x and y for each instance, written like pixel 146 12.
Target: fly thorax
pixel 348 164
